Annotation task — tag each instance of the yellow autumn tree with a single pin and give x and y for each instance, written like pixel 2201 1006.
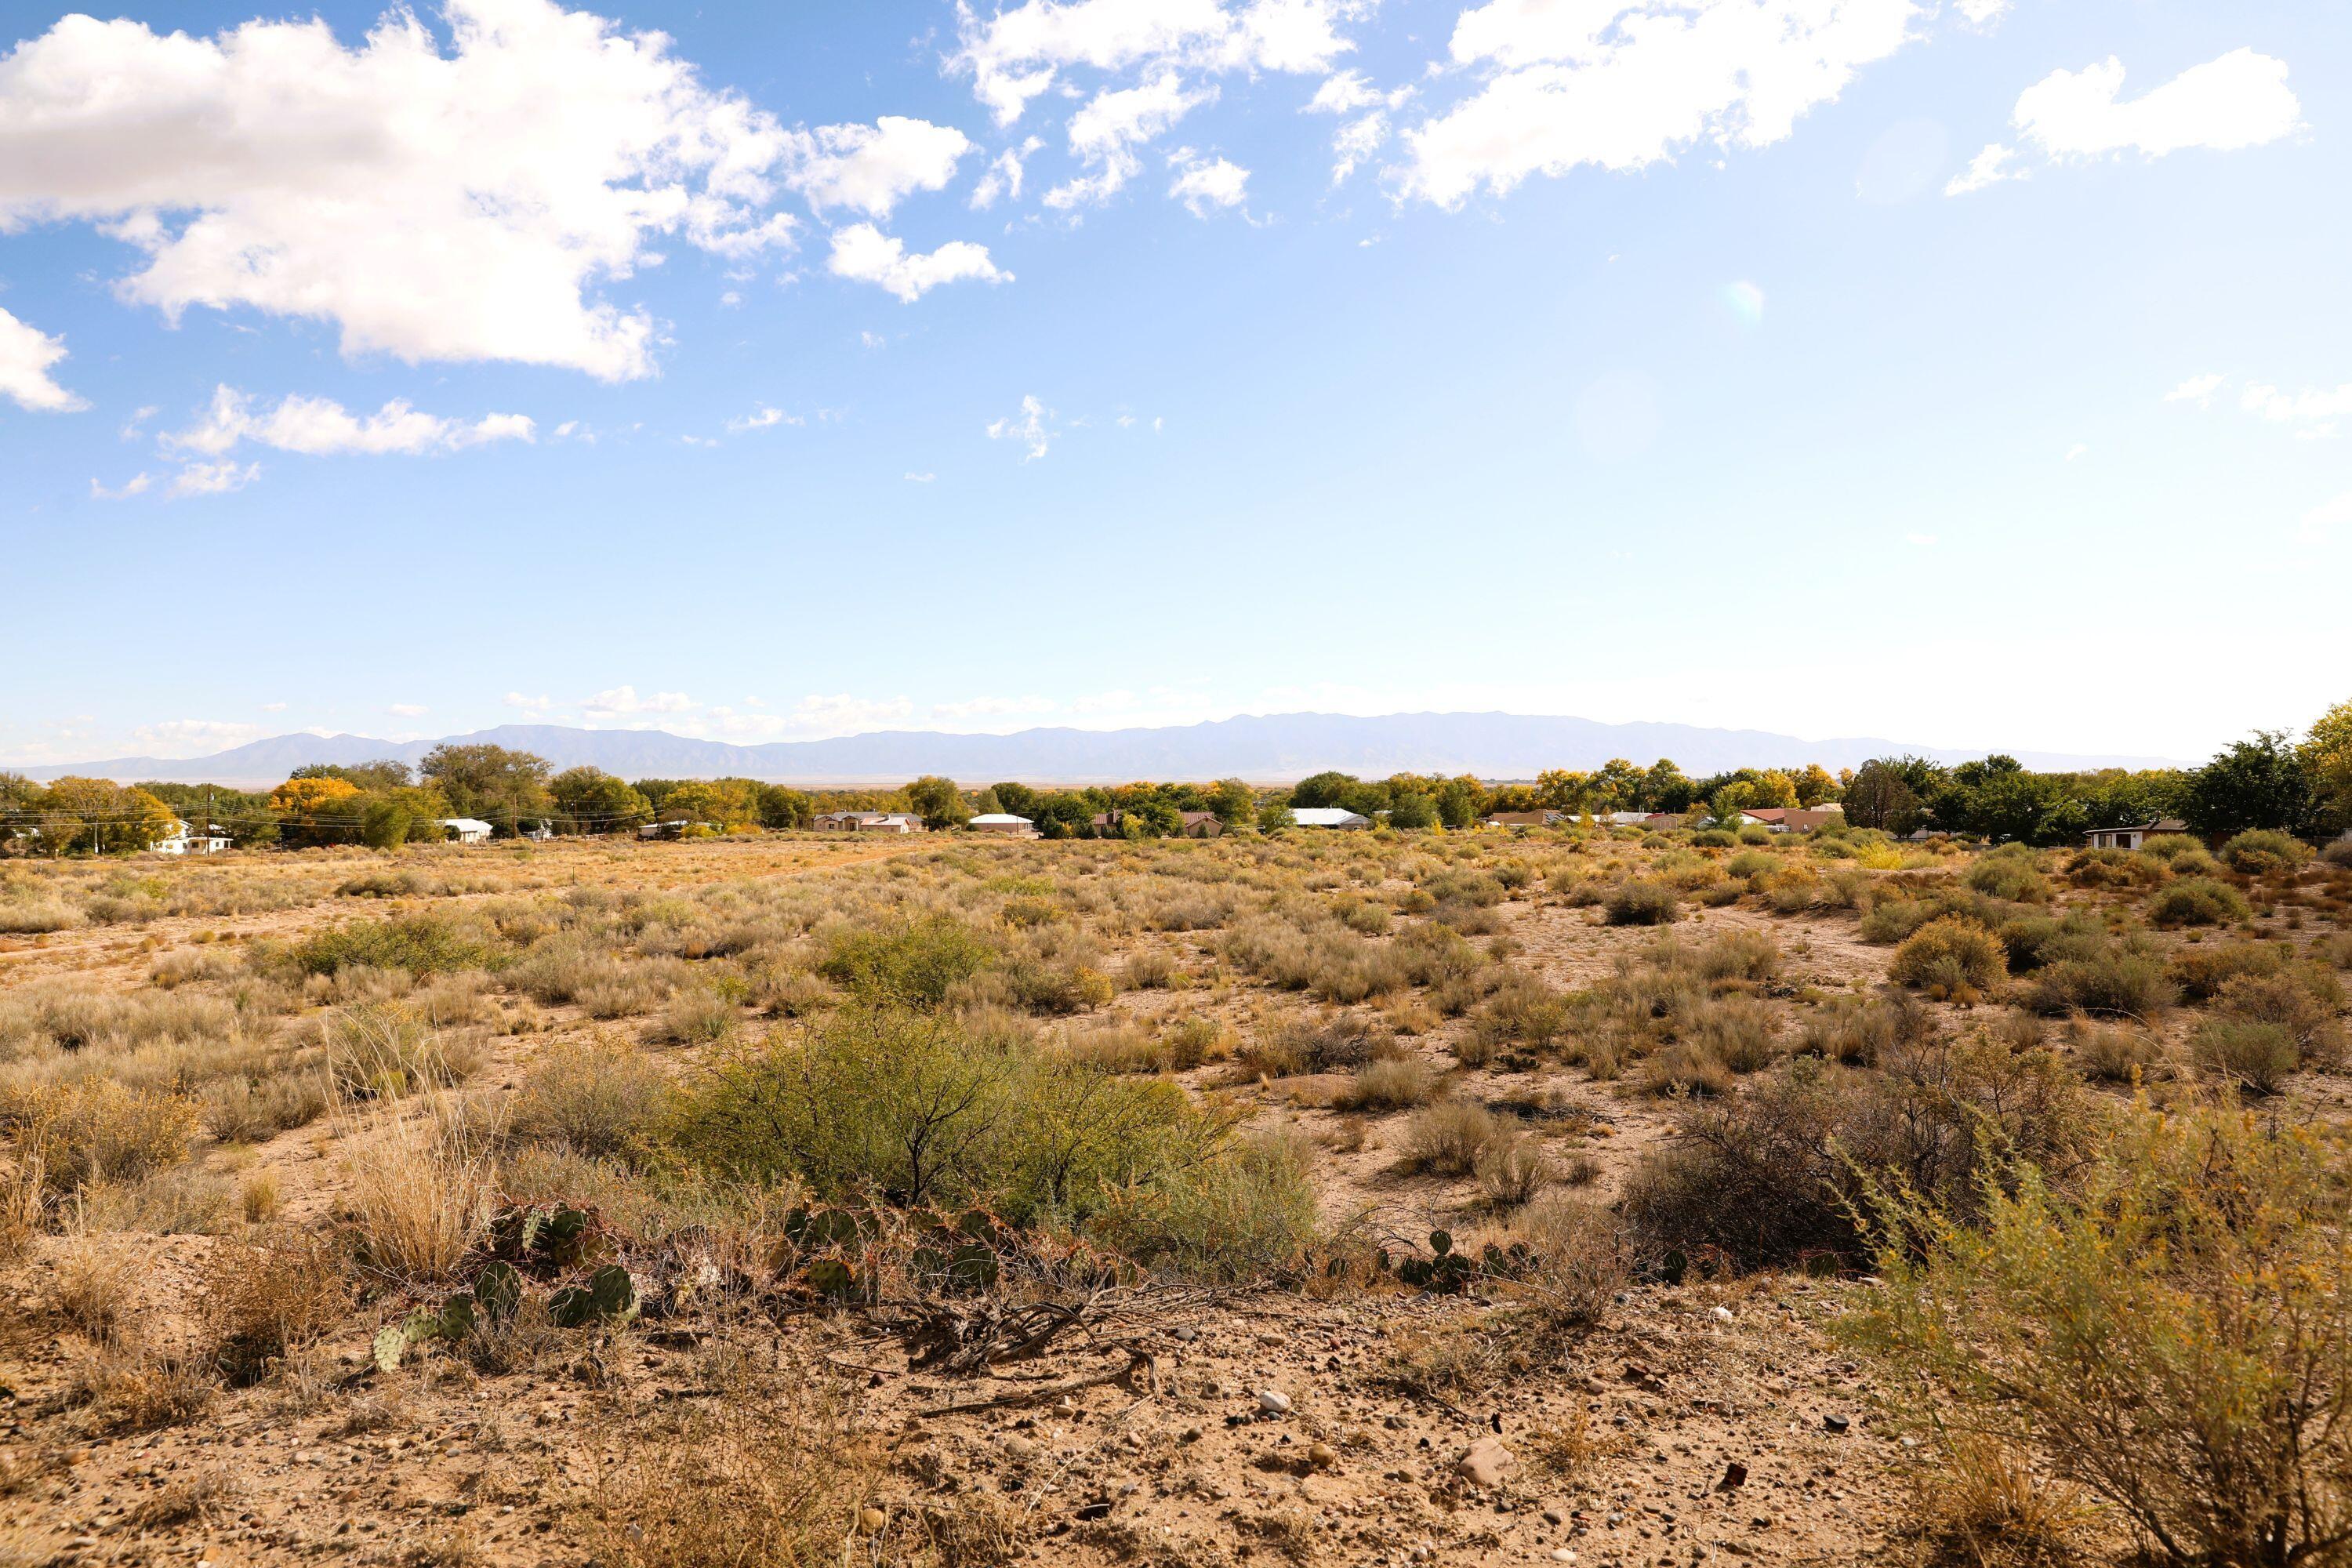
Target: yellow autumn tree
pixel 2327 754
pixel 318 811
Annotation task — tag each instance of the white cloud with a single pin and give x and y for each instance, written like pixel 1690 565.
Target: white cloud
pixel 273 708
pixel 2238 101
pixel 872 167
pixel 1106 132
pixel 1921 540
pixel 1620 84
pixel 2077 450
pixel 864 252
pixel 1983 12
pixel 406 710
pixel 1034 427
pixel 1344 92
pixel 1002 178
pixel 990 707
pixel 130 426
pixel 214 479
pixel 137 484
pixel 1204 184
pixel 2197 389
pixel 845 715
pixel 922 479
pixel 2314 413
pixel 763 418
pixel 27 354
pixel 1989 167
pixel 1353 143
pixel 466 204
pixel 1016 55
pixel 623 702
pixel 538 704
pixel 320 426
pixel 194 737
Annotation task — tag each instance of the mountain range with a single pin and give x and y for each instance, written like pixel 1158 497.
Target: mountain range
pixel 1262 749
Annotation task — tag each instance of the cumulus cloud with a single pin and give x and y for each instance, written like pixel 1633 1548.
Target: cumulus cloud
pixel 1204 184
pixel 872 167
pixel 194 736
pixel 762 418
pixel 2313 412
pixel 320 426
pixel 2239 100
pixel 866 254
pixel 1105 133
pixel 1002 179
pixel 136 485
pixel 1032 428
pixel 26 356
pixel 466 202
pixel 406 710
pixel 538 704
pixel 214 479
pixel 1620 84
pixel 1018 53
pixel 2197 389
pixel 623 702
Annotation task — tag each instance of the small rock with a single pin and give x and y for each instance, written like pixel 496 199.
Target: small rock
pixel 1019 1450
pixel 1837 1424
pixel 1723 1314
pixel 1563 1554
pixel 872 1520
pixel 1322 1456
pixel 1487 1463
pixel 1735 1476
pixel 1273 1402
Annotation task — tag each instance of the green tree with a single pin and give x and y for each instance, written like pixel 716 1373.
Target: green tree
pixel 1324 789
pixel 2327 760
pixel 1461 801
pixel 1414 811
pixel 1880 796
pixel 782 809
pixel 384 824
pixel 499 785
pixel 1275 815
pixel 938 800
pixel 1017 799
pixel 381 774
pixel 2260 782
pixel 1233 802
pixel 590 800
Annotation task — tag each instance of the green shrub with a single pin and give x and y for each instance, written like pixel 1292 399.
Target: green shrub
pixel 1641 903
pixel 1947 954
pixel 421 944
pixel 2167 1328
pixel 2036 942
pixel 2255 1056
pixel 2009 876
pixel 1392 1083
pixel 920 1110
pixel 2115 981
pixel 1713 838
pixel 98 1130
pixel 2201 972
pixel 2197 902
pixel 1749 863
pixel 2259 851
pixel 912 965
pixel 2338 853
pixel 1247 1214
pixel 1447 1139
pixel 600 1100
pixel 2172 846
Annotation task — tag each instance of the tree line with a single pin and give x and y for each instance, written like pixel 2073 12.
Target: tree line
pixel 2270 780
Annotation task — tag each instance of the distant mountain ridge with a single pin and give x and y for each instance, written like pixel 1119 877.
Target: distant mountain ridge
pixel 1261 747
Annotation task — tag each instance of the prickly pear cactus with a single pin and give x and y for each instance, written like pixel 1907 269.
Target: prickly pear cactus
pixel 832 1276
pixel 498 1292
pixel 391 1344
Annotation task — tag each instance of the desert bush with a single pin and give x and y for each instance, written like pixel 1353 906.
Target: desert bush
pixel 2167 1328
pixel 914 965
pixel 2255 1056
pixel 2305 1002
pixel 1640 903
pixel 2035 942
pixel 1749 863
pixel 2259 851
pixel 420 1195
pixel 917 1108
pixel 1738 1031
pixel 96 1130
pixel 136 1387
pixel 1391 1083
pixel 1769 1176
pixel 1688 1069
pixel 384 1052
pixel 1949 954
pixel 37 916
pixel 1583 1261
pixel 2201 972
pixel 419 944
pixel 264 1299
pixel 599 1098
pixel 1240 1215
pixel 697 1015
pixel 1862 1031
pixel 1153 970
pixel 2118 980
pixel 2340 852
pixel 2114 1053
pixel 2010 874
pixel 1448 1138
pixel 1512 1170
pixel 243 1109
pixel 2197 902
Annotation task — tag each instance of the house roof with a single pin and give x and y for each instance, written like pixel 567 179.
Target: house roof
pixel 463 824
pixel 1324 815
pixel 998 819
pixel 2162 825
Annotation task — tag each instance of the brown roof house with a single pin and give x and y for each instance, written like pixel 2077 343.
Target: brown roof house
pixel 1523 819
pixel 2131 837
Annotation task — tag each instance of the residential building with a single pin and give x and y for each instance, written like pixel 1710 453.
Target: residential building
pixel 185 839
pixel 867 822
pixel 1328 816
pixel 1003 824
pixel 1523 819
pixel 465 829
pixel 2131 837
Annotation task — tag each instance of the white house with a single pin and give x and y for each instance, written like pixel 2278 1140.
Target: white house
pixel 1328 816
pixel 867 822
pixel 1005 824
pixel 2131 837
pixel 465 829
pixel 185 840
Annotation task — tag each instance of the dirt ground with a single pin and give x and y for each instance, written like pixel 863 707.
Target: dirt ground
pixel 1700 1422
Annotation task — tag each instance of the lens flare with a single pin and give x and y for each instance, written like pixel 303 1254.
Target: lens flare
pixel 1747 302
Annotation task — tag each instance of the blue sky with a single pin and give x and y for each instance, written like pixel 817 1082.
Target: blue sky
pixel 1970 374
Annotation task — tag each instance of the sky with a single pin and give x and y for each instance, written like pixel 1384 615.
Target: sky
pixel 1971 374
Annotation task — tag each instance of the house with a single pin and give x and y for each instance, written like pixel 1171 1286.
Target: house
pixel 1328 816
pixel 1003 824
pixel 185 840
pixel 867 822
pixel 1664 821
pixel 675 828
pixel 465 829
pixel 1624 819
pixel 1523 819
pixel 1201 824
pixel 2130 837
